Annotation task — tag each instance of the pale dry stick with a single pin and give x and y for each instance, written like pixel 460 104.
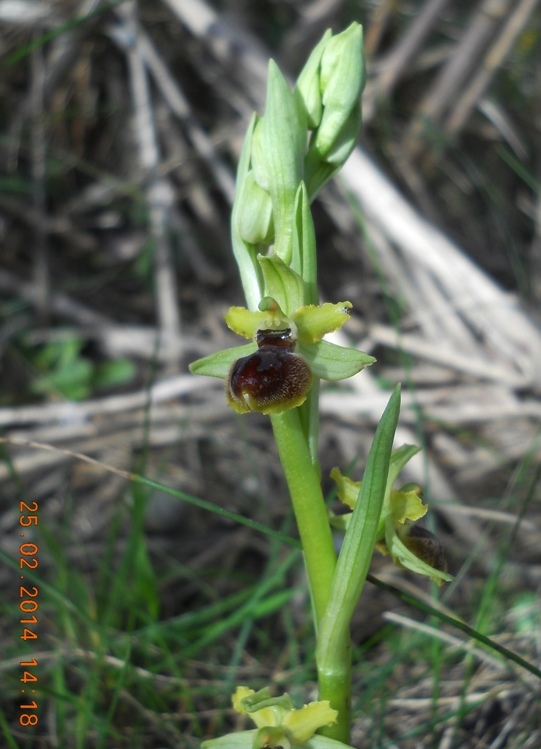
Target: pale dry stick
pixel 495 314
pixel 444 356
pixel 492 61
pixel 497 116
pixel 61 454
pixel 159 191
pixel 168 389
pixel 395 65
pixel 446 86
pixel 236 49
pixel 346 405
pixel 439 320
pixel 134 438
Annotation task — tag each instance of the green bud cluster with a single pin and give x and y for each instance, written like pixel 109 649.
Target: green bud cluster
pixel 302 140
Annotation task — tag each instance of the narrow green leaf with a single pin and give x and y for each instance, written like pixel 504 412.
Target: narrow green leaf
pixel 358 546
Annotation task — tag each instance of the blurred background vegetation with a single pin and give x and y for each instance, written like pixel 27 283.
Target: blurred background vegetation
pixel 120 127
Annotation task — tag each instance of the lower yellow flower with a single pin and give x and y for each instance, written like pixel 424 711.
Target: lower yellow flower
pixel 279 723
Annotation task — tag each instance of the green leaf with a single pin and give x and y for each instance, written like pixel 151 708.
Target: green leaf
pixel 359 541
pixel 332 362
pixel 219 364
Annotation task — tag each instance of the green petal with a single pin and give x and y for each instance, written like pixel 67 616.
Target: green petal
pixel 315 321
pixel 302 724
pixel 406 506
pixel 332 362
pixel 347 490
pixel 246 323
pixel 219 364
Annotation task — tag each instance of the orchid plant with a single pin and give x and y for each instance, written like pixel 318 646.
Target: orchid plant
pixel 289 153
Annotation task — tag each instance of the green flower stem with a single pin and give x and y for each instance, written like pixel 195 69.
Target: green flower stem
pixel 302 478
pixel 334 684
pixel 309 507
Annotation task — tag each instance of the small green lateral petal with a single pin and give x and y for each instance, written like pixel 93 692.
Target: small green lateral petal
pixel 406 506
pixel 219 364
pixel 347 489
pixel 315 321
pixel 331 362
pixel 244 322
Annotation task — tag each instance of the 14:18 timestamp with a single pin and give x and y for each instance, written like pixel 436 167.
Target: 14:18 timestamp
pixel 28 606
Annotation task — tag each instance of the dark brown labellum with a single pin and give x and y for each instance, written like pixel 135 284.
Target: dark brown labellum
pixel 426 546
pixel 271 380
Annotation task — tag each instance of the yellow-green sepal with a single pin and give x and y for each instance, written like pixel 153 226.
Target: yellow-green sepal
pixel 331 362
pixel 219 363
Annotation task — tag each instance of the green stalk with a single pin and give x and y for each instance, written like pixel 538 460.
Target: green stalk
pixel 319 557
pixel 309 507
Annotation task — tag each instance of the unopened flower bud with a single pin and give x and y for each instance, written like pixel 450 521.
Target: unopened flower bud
pixel 254 215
